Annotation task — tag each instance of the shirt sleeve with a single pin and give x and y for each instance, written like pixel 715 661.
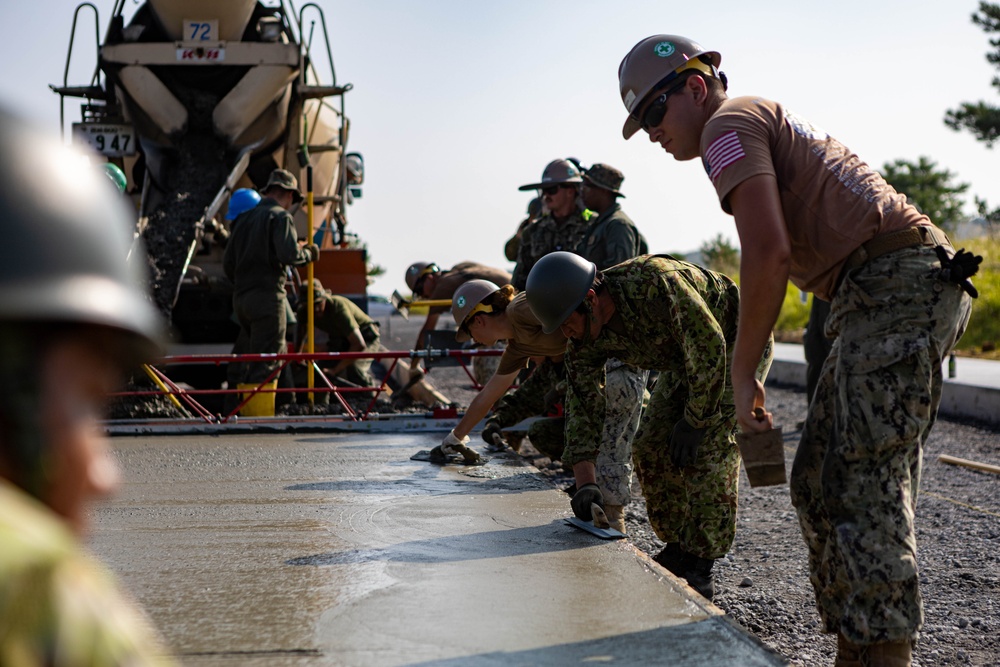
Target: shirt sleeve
pixel 286 246
pixel 735 146
pixel 585 404
pixel 524 261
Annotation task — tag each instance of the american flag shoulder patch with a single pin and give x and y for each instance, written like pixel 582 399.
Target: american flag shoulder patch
pixel 724 151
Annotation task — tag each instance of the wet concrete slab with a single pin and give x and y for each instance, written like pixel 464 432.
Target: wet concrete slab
pixel 336 549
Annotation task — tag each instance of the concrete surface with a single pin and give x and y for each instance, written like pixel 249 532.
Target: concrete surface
pixel 974 392
pixel 336 549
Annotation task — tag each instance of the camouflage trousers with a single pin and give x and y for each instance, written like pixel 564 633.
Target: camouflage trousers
pixel 857 469
pixel 624 389
pixel 694 506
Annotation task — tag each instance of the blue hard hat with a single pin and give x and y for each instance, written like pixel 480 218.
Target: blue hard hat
pixel 242 200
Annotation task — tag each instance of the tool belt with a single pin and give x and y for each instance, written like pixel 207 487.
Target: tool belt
pixel 920 235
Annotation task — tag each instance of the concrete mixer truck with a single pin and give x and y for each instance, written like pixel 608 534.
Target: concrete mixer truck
pixel 194 99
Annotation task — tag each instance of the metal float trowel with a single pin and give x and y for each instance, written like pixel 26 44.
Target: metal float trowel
pixel 600 526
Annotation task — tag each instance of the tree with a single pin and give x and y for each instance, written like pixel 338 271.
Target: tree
pixel 930 190
pixel 980 118
pixel 720 256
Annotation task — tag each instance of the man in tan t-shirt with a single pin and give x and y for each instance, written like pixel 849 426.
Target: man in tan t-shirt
pixel 427 281
pixel 809 210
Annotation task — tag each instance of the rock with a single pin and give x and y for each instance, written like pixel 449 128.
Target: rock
pixel 746 583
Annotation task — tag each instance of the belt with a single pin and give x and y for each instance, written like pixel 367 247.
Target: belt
pixel 919 235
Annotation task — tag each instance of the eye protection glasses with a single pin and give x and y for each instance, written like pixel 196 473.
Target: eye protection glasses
pixel 657 109
pixel 553 189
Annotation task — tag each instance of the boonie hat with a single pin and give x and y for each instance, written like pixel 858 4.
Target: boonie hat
pixel 606 177
pixel 282 178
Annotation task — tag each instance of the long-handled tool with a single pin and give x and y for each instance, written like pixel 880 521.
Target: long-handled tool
pixel 403 305
pixel 974 465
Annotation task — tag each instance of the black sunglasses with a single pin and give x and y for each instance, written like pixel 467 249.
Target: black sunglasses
pixel 552 189
pixel 657 109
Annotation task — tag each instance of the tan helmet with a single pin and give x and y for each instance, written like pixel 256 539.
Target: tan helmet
pixel 468 300
pixel 652 64
pixel 418 270
pixel 556 173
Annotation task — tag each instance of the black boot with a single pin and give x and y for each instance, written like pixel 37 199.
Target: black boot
pixel 699 575
pixel 672 558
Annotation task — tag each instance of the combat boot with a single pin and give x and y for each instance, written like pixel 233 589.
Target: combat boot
pixel 887 654
pixel 616 517
pixel 848 654
pixel 699 575
pixel 672 558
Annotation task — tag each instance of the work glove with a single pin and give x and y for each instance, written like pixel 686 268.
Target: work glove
pixel 684 443
pixel 493 435
pixel 313 251
pixel 452 445
pixel 585 496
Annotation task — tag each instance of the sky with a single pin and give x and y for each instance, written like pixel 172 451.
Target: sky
pixel 457 103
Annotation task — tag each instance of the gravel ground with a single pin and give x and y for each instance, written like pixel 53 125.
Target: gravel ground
pixel 763 582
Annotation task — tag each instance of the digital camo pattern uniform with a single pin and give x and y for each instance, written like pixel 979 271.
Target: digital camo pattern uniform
pixel 546 387
pixel 678 319
pixel 612 239
pixel 856 473
pixel 624 392
pixel 537 395
pixel 545 236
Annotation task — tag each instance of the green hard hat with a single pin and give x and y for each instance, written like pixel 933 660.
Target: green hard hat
pixel 556 285
pixel 65 256
pixel 116 175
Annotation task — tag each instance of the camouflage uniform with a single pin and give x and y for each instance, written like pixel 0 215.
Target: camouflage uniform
pixel 678 319
pixel 857 468
pixel 539 394
pixel 545 236
pixel 57 604
pixel 612 239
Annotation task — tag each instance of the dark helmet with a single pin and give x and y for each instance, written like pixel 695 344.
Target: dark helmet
pixel 556 285
pixel 65 256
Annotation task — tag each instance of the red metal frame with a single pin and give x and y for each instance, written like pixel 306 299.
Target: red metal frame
pixel 189 396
